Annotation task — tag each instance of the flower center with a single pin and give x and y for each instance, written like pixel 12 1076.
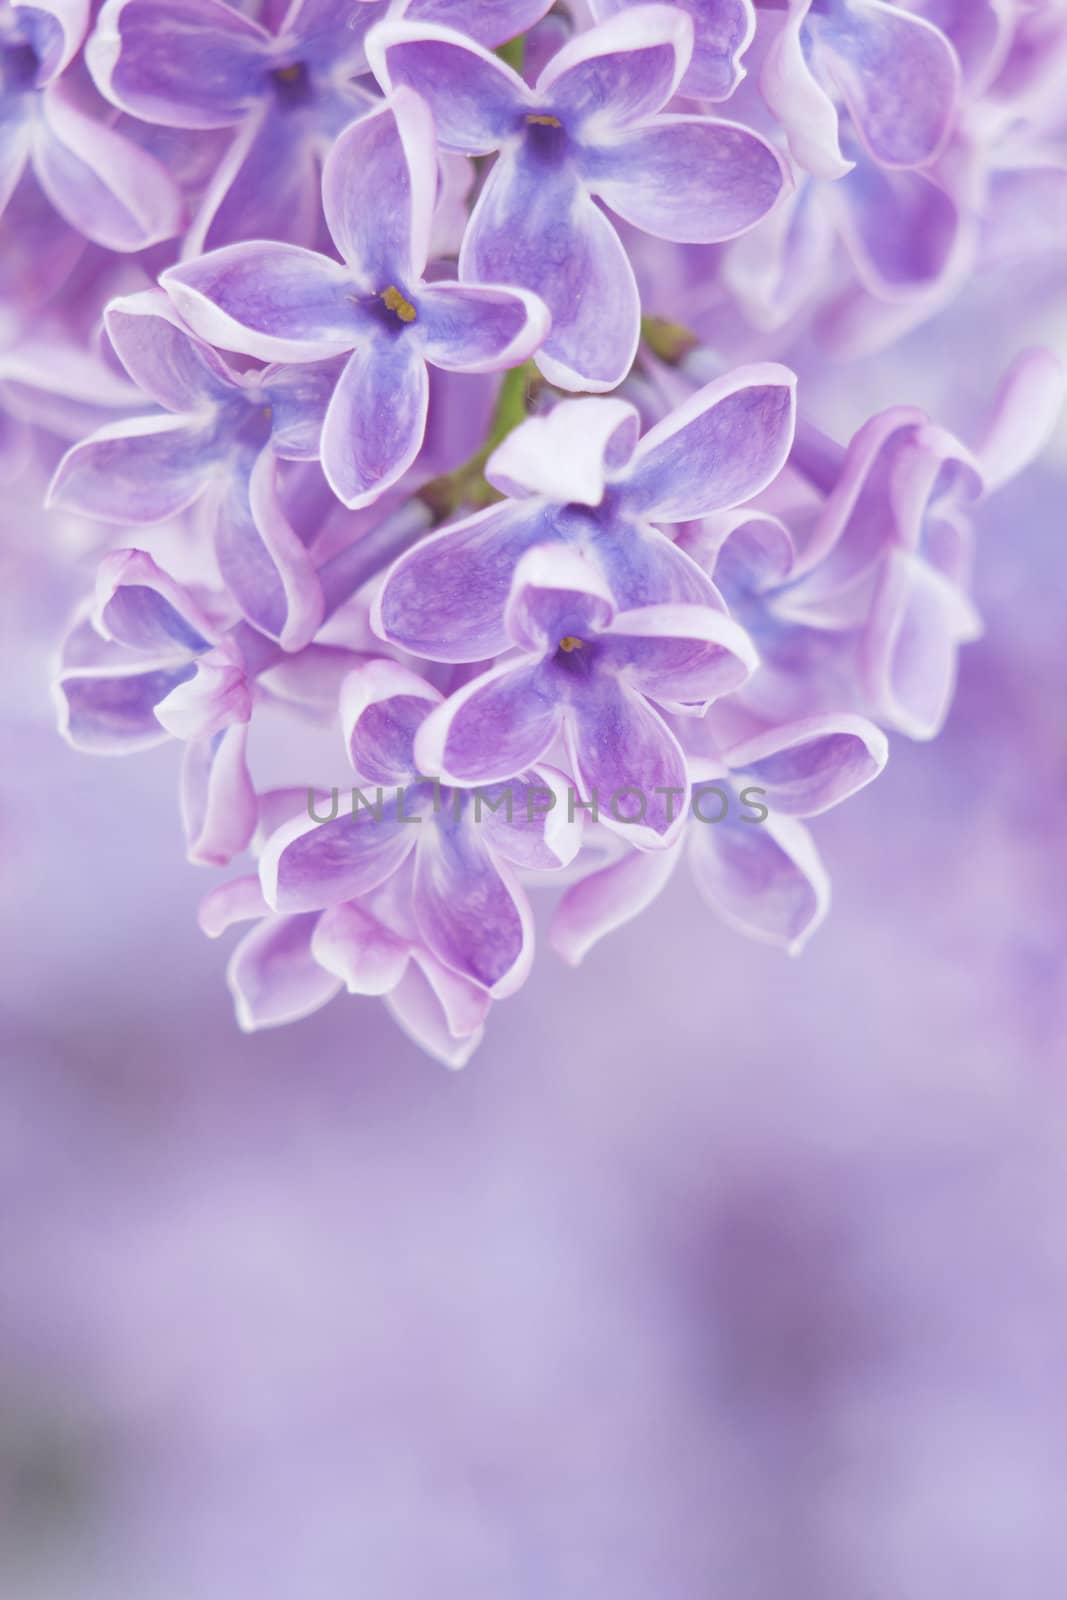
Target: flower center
pixel 394 301
pixel 18 66
pixel 546 137
pixel 292 85
pixel 570 643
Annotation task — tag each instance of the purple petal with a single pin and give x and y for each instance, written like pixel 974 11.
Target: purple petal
pixel 643 568
pixel 137 472
pixel 274 301
pixel 806 767
pixel 556 592
pixel 492 728
pixel 418 1008
pixel 184 63
pixel 378 189
pixel 1028 405
pixel 299 397
pixel 38 250
pixel 467 327
pixel 566 455
pixel 376 419
pixel 747 552
pixel 216 696
pixel 691 179
pixel 535 226
pixel 263 563
pixel 55 29
pixel 491 22
pixel 722 446
pixel 142 607
pixel 800 103
pixel 114 714
pixel 307 865
pixel 99 181
pixel 722 32
pixel 445 598
pixel 273 976
pixel 179 371
pixel 218 801
pixel 266 186
pixel 15 131
pixel 764 879
pixel 239 900
pixel 359 950
pixel 898 76
pixel 476 101
pixel 910 648
pixel 608 899
pixel 383 705
pixel 682 655
pixel 528 822
pixel 618 743
pixel 330 33
pixel 903 231
pixel 471 913
pixel 619 72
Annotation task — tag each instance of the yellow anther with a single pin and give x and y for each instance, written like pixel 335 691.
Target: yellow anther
pixel 396 302
pixel 571 643
pixel 288 74
pixel 268 413
pixel 541 120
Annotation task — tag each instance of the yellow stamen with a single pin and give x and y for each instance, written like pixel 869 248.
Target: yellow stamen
pixel 288 74
pixel 396 302
pixel 543 121
pixel 268 412
pixel 571 643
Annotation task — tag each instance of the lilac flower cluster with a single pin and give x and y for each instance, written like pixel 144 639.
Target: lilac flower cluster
pixel 401 333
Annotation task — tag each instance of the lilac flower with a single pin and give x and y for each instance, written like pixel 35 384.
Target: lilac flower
pixel 595 676
pixel 287 94
pixel 279 302
pixel 579 478
pixel 55 157
pixel 894 73
pixel 465 901
pixel 869 613
pixel 762 877
pixel 587 130
pixel 722 32
pixel 122 663
pixel 891 550
pixel 291 964
pixel 220 435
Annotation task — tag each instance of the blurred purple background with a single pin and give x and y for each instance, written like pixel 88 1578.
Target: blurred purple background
pixel 714 1274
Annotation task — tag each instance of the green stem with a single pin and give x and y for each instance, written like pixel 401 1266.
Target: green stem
pixel 511 54
pixel 670 341
pixel 467 485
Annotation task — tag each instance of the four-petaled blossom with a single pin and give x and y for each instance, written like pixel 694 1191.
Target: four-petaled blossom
pixel 894 73
pixel 467 905
pixel 279 302
pixel 580 478
pixel 595 676
pixel 287 93
pixel 762 876
pixel 722 32
pixel 219 435
pixel 589 129
pixel 98 181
